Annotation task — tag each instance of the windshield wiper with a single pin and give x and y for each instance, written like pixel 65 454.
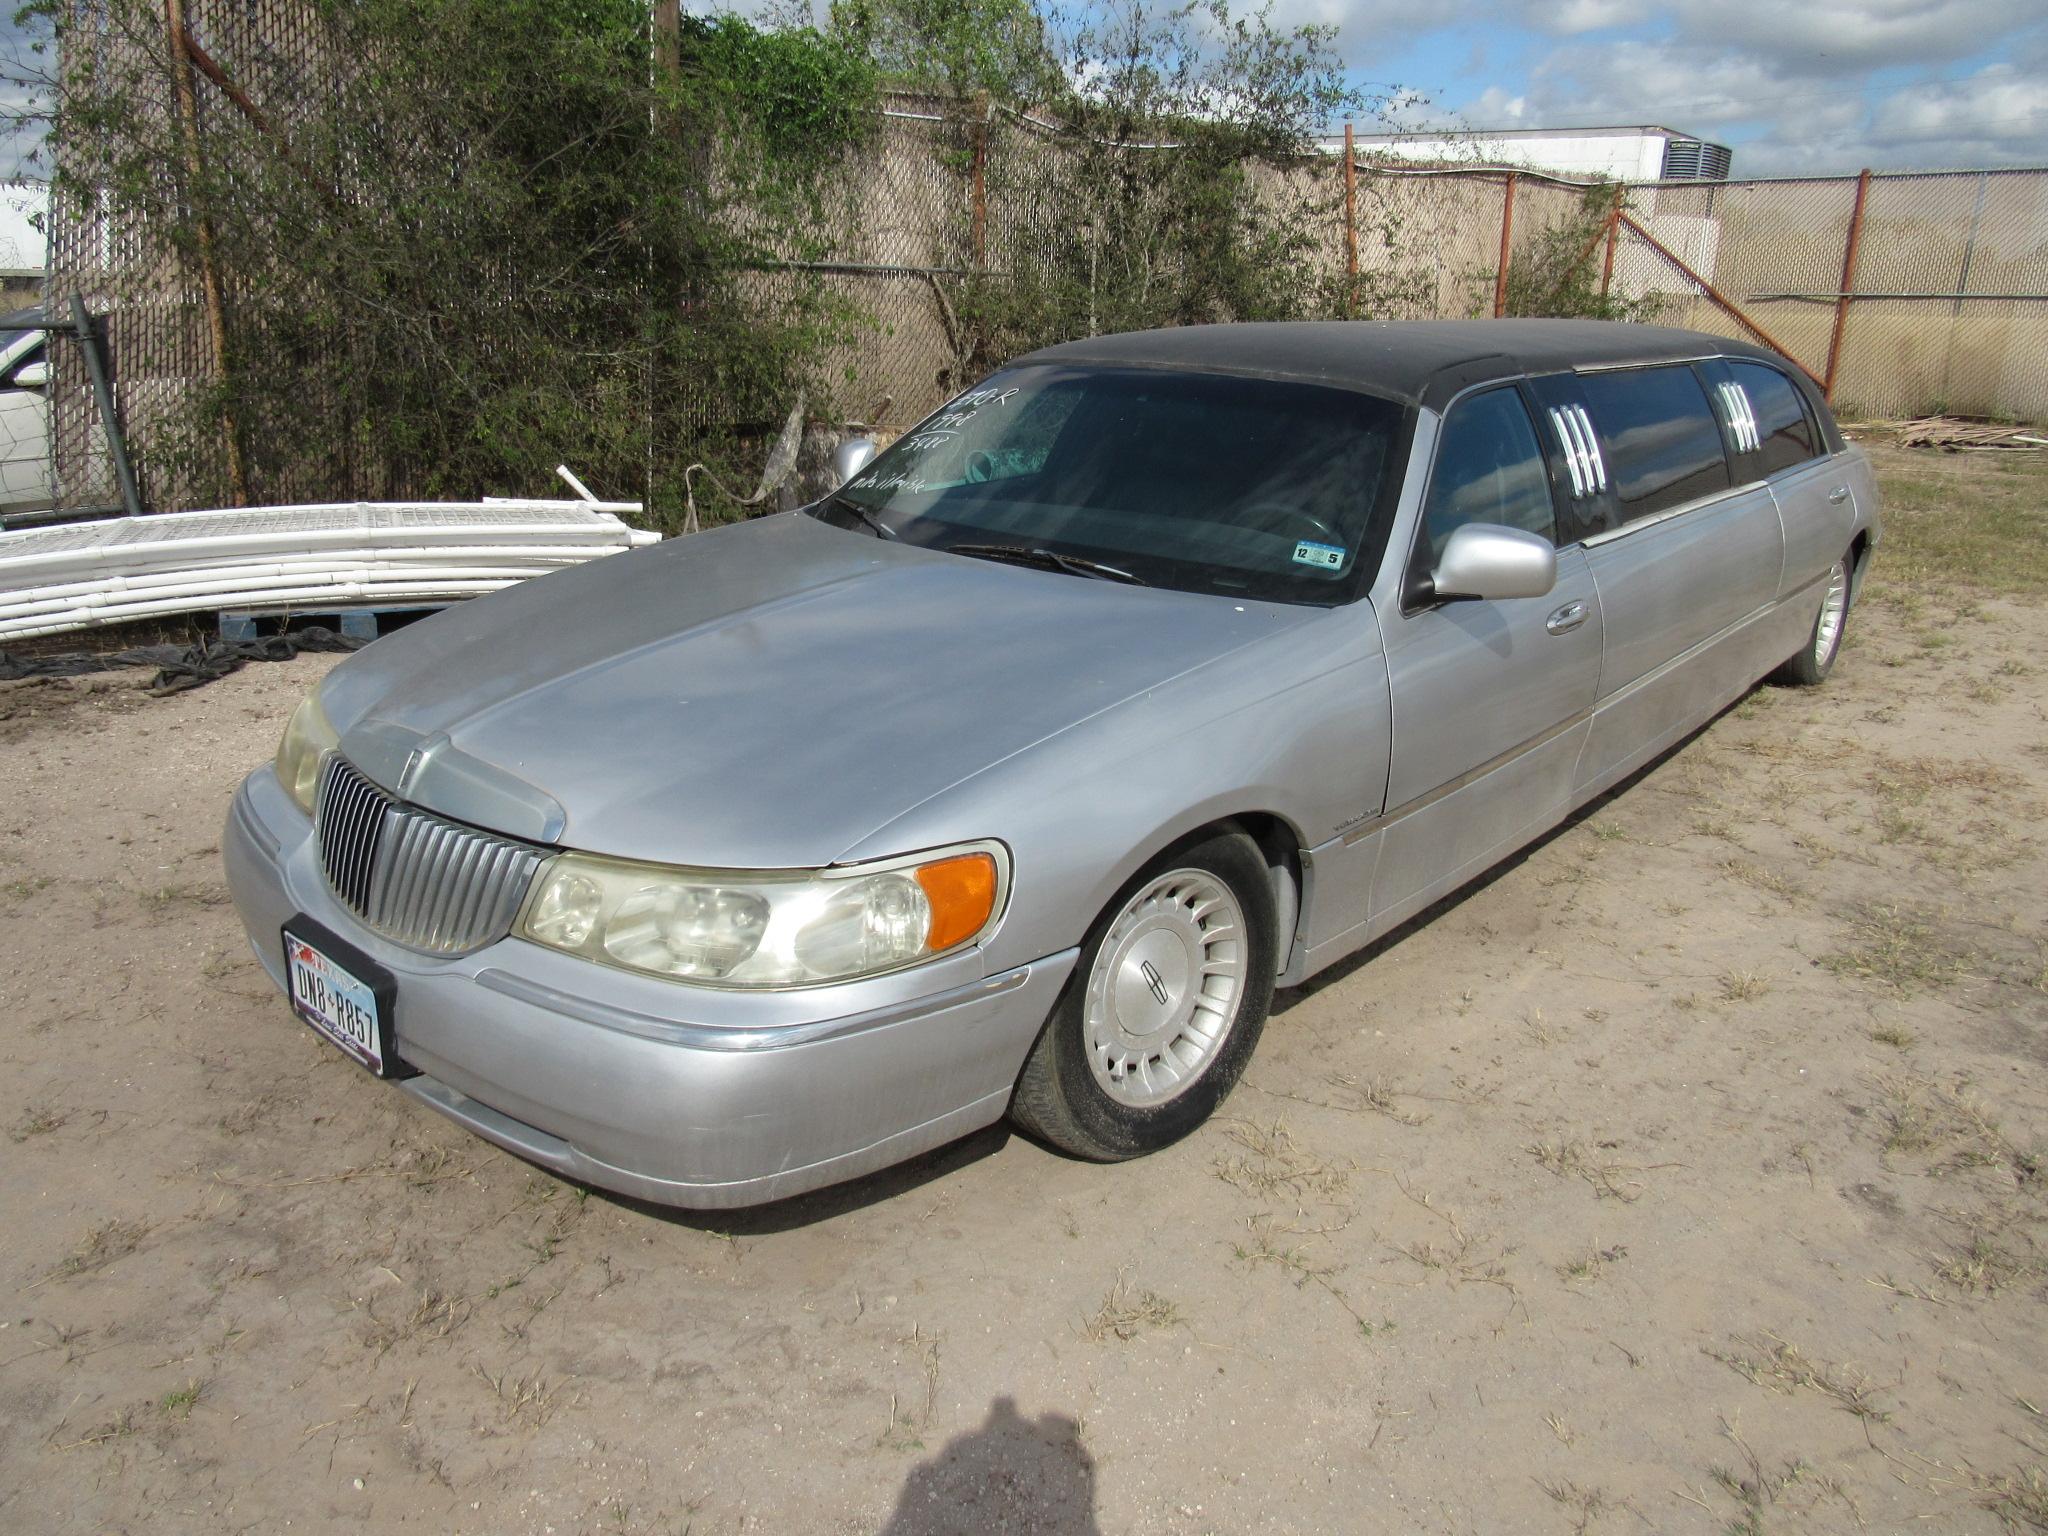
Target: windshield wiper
pixel 1048 559
pixel 874 524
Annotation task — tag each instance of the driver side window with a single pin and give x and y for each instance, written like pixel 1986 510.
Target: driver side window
pixel 1489 469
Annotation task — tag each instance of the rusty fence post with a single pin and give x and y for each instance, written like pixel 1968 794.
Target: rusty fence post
pixel 1849 252
pixel 1507 232
pixel 1350 228
pixel 209 273
pixel 1613 235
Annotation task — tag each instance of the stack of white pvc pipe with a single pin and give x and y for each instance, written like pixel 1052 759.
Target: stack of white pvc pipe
pixel 307 559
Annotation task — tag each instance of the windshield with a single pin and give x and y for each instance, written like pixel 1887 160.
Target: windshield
pixel 1203 482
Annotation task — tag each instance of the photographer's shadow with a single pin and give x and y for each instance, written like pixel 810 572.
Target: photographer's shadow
pixel 1010 1474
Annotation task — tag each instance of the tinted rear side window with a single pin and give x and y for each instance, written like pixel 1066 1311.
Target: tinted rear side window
pixel 1662 444
pixel 1781 421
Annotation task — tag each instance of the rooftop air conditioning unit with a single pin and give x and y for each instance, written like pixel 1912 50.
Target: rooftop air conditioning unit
pixel 1695 160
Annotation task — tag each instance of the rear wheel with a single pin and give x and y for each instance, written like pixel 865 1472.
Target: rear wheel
pixel 1163 1009
pixel 1817 657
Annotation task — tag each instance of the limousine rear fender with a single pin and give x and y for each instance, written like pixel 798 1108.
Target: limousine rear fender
pixel 1869 525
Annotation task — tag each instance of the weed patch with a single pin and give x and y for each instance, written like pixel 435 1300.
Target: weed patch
pixel 1127 1312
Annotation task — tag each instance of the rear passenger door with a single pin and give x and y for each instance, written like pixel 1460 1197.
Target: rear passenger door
pixel 1685 562
pixel 1490 699
pixel 1778 441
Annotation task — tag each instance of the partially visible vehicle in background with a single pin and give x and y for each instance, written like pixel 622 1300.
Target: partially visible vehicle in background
pixel 24 412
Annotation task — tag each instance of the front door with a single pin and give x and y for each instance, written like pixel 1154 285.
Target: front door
pixel 1490 699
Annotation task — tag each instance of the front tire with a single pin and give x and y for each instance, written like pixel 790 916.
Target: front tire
pixel 1164 1007
pixel 1816 659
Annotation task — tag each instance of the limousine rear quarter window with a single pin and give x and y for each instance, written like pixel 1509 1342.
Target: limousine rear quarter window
pixel 1663 445
pixel 1781 417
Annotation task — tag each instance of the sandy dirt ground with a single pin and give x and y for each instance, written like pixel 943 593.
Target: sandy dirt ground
pixel 1687 1175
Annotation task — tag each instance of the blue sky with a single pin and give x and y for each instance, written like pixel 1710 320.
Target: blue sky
pixel 1830 85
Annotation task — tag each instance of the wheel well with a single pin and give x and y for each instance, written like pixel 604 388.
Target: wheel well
pixel 1859 553
pixel 1275 838
pixel 1281 847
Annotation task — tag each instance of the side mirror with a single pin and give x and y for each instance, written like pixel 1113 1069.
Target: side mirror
pixel 1487 561
pixel 33 375
pixel 851 457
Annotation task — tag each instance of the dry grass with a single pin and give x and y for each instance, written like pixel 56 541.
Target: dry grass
pixel 1777 1366
pixel 2019 1499
pixel 38 1120
pixel 1983 1265
pixel 1591 1264
pixel 1583 1506
pixel 1969 521
pixel 1900 950
pixel 1127 1312
pixel 104 1244
pixel 1608 1178
pixel 1743 986
pixel 527 1398
pixel 1946 1122
pixel 1269 1245
pixel 1756 1489
pixel 1272 1163
pixel 1769 881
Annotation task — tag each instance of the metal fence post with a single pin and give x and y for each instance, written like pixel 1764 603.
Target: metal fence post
pixel 1613 235
pixel 1507 231
pixel 1350 228
pixel 1849 250
pixel 93 342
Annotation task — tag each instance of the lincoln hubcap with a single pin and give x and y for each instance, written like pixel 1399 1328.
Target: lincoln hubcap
pixel 1832 607
pixel 1165 988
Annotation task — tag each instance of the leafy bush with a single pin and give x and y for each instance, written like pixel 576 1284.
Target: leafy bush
pixel 492 237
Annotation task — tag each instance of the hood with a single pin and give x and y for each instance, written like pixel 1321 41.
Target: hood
pixel 760 696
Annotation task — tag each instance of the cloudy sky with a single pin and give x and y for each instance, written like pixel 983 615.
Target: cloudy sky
pixel 1793 85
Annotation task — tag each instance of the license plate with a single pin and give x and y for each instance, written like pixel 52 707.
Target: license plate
pixel 343 994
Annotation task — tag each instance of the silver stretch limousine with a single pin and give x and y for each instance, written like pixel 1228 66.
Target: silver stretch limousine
pixel 1155 672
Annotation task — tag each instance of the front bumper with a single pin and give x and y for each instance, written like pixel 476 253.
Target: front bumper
pixel 686 1096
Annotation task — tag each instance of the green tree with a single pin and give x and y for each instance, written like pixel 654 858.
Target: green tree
pixel 482 239
pixel 1176 179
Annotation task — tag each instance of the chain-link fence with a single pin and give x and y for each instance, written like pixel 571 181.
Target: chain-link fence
pixel 1907 293
pixel 1911 293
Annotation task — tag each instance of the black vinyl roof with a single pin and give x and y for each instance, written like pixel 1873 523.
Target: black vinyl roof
pixel 1419 360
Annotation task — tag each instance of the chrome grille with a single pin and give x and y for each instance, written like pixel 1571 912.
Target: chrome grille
pixel 429 884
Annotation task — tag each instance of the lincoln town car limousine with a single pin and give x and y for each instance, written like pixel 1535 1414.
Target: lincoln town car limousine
pixel 1153 673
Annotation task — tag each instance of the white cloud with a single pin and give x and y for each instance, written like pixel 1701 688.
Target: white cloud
pixel 1798 100
pixel 1575 16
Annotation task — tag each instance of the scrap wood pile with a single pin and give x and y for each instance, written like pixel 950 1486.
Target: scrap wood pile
pixel 300 559
pixel 1955 436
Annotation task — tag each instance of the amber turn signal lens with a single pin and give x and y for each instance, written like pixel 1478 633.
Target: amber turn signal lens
pixel 962 893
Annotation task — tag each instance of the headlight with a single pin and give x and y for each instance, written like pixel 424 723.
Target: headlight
pixel 771 929
pixel 307 737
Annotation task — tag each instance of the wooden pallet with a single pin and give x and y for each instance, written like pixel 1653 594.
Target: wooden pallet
pixel 356 623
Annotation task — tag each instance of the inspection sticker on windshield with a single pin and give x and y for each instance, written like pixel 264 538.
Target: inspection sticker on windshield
pixel 1329 556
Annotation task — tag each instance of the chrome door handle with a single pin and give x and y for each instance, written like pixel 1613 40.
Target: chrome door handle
pixel 1566 619
pixel 1839 494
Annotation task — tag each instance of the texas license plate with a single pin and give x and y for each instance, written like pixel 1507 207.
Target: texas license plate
pixel 343 994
